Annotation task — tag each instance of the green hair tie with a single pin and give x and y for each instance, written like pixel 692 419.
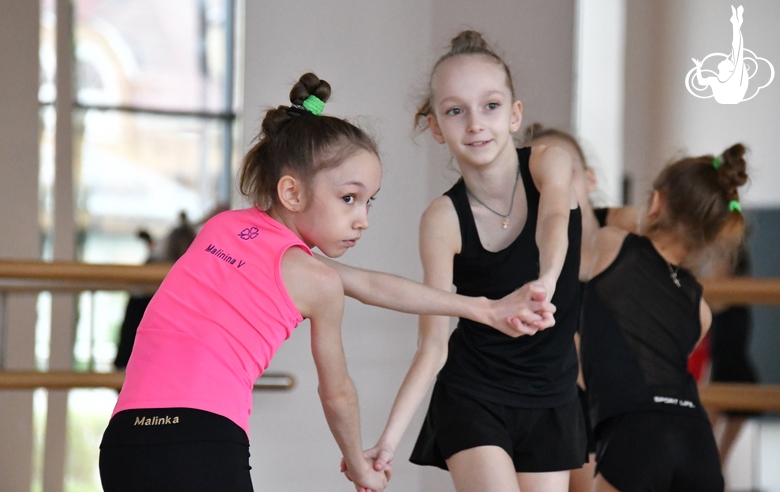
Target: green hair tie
pixel 716 163
pixel 314 105
pixel 734 206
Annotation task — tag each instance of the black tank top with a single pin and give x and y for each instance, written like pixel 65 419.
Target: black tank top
pixel 538 371
pixel 638 329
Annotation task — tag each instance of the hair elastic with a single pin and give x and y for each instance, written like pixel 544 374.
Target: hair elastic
pixel 314 105
pixel 717 162
pixel 734 206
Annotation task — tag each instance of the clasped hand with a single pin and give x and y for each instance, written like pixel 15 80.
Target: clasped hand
pixel 376 475
pixel 524 311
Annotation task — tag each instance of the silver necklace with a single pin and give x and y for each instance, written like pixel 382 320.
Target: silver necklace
pixel 673 273
pixel 505 222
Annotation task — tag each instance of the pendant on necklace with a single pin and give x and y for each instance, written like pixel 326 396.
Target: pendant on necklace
pixel 675 279
pixel 505 223
pixel 673 274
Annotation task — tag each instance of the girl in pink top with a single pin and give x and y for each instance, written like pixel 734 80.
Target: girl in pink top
pixel 248 279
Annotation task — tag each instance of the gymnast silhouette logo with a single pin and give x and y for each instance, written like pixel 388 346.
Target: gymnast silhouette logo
pixel 729 85
pixel 249 233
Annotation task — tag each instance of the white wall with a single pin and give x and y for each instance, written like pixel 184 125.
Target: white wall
pixel 377 57
pixel 599 93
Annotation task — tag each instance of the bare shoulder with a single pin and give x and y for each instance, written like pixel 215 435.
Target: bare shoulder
pixel 551 169
pixel 543 152
pixel 607 244
pixel 439 222
pixel 310 282
pixel 441 209
pixel 546 159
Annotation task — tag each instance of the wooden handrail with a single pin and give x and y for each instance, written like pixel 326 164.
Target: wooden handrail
pixel 68 275
pixel 76 271
pixel 742 290
pixel 740 397
pixel 16 276
pixel 35 276
pixel 27 380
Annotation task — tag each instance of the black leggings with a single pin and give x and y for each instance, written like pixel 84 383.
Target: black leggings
pixel 174 449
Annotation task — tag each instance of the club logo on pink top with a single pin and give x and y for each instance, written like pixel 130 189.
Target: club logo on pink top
pixel 249 233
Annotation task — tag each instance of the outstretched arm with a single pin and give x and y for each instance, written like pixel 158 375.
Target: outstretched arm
pixel 317 292
pixel 551 169
pixel 439 242
pixel 401 294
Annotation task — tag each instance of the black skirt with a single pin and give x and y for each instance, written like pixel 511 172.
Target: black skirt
pixel 537 440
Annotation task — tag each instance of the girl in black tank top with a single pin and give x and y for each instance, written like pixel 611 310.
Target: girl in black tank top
pixel 642 315
pixel 504 412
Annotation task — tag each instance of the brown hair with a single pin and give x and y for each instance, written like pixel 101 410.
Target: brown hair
pixel 295 141
pixel 698 198
pixel 465 43
pixel 537 130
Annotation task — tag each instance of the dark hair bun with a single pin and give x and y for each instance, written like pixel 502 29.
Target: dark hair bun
pixel 733 171
pixel 308 85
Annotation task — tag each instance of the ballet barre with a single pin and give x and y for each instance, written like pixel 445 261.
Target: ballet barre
pixel 741 291
pixel 740 397
pixel 65 380
pixel 24 277
pixel 60 276
pixel 18 275
pixel 70 276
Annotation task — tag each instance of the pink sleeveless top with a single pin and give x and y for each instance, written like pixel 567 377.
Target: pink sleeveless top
pixel 216 321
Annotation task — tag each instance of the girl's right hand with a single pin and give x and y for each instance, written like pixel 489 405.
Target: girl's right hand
pixel 524 311
pixel 366 479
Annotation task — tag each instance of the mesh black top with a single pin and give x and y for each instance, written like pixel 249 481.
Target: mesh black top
pixel 538 371
pixel 638 329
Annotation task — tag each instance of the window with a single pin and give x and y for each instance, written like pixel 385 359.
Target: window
pixel 153 126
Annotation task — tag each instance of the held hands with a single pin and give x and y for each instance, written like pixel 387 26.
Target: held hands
pixel 379 461
pixel 524 311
